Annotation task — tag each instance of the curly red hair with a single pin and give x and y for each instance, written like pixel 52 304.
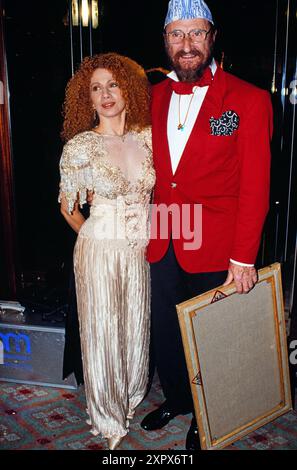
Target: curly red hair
pixel 77 109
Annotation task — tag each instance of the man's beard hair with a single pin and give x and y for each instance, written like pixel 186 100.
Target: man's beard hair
pixel 188 75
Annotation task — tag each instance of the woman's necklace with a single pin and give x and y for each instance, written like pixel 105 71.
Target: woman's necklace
pixel 181 126
pixel 104 134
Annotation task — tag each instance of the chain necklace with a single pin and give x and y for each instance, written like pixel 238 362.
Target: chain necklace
pixel 181 126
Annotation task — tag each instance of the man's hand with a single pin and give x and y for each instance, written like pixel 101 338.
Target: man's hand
pixel 245 277
pixel 90 195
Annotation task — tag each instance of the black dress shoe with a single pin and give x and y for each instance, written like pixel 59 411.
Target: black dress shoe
pixel 193 441
pixel 158 418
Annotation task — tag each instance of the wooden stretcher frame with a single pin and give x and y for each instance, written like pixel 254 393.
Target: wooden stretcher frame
pixel 192 315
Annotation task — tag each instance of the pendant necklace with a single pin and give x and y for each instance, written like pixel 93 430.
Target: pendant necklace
pixel 181 126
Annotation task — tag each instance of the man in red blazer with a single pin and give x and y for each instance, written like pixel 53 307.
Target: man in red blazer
pixel 211 146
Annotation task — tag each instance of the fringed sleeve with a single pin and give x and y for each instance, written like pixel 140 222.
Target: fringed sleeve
pixel 75 172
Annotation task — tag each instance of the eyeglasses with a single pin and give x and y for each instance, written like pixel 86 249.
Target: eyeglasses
pixel 195 35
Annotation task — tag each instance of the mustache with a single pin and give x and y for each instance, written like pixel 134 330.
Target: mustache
pixel 181 53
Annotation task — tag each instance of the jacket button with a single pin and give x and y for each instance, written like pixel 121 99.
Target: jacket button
pixel 173 185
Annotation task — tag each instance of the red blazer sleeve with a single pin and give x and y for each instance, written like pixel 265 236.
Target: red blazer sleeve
pixel 254 162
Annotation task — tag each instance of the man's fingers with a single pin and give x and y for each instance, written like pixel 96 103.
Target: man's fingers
pixel 244 279
pixel 247 285
pixel 251 283
pixel 229 279
pixel 238 285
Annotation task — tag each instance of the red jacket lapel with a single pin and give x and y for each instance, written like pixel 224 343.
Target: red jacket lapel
pixel 211 107
pixel 160 108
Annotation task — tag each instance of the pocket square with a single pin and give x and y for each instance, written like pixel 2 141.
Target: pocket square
pixel 226 124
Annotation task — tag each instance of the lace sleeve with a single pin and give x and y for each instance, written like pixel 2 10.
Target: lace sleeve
pixel 147 134
pixel 75 172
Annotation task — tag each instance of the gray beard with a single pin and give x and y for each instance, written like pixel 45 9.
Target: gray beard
pixel 188 75
pixel 191 75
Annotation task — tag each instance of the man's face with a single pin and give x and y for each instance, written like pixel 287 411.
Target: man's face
pixel 189 58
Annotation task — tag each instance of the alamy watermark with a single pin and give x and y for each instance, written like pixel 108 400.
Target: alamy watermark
pixel 132 221
pixel 185 220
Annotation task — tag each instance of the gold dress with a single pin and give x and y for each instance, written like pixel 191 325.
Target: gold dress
pixel 111 273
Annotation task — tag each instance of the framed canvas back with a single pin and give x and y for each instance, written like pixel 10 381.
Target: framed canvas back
pixel 236 353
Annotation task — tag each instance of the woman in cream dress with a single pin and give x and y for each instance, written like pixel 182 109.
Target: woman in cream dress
pixel 108 154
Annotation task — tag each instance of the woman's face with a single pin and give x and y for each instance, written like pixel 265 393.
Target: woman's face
pixel 106 95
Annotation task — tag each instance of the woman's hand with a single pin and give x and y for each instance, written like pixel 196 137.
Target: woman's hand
pixel 75 219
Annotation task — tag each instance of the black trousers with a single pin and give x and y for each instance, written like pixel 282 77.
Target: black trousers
pixel 72 361
pixel 170 286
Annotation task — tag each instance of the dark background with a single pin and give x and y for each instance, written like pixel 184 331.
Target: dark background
pixel 38 50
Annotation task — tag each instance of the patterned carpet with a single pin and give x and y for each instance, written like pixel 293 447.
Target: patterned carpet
pixel 35 418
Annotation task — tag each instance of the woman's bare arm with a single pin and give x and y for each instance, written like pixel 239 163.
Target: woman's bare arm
pixel 75 219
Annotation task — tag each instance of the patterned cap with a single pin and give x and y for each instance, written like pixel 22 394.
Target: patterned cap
pixel 187 10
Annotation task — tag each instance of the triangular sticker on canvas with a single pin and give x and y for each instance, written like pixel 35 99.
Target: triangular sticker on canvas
pixel 218 295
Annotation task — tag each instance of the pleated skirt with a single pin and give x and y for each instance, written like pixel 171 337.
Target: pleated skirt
pixel 113 300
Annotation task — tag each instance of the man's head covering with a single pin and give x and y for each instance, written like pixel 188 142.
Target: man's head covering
pixel 187 10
